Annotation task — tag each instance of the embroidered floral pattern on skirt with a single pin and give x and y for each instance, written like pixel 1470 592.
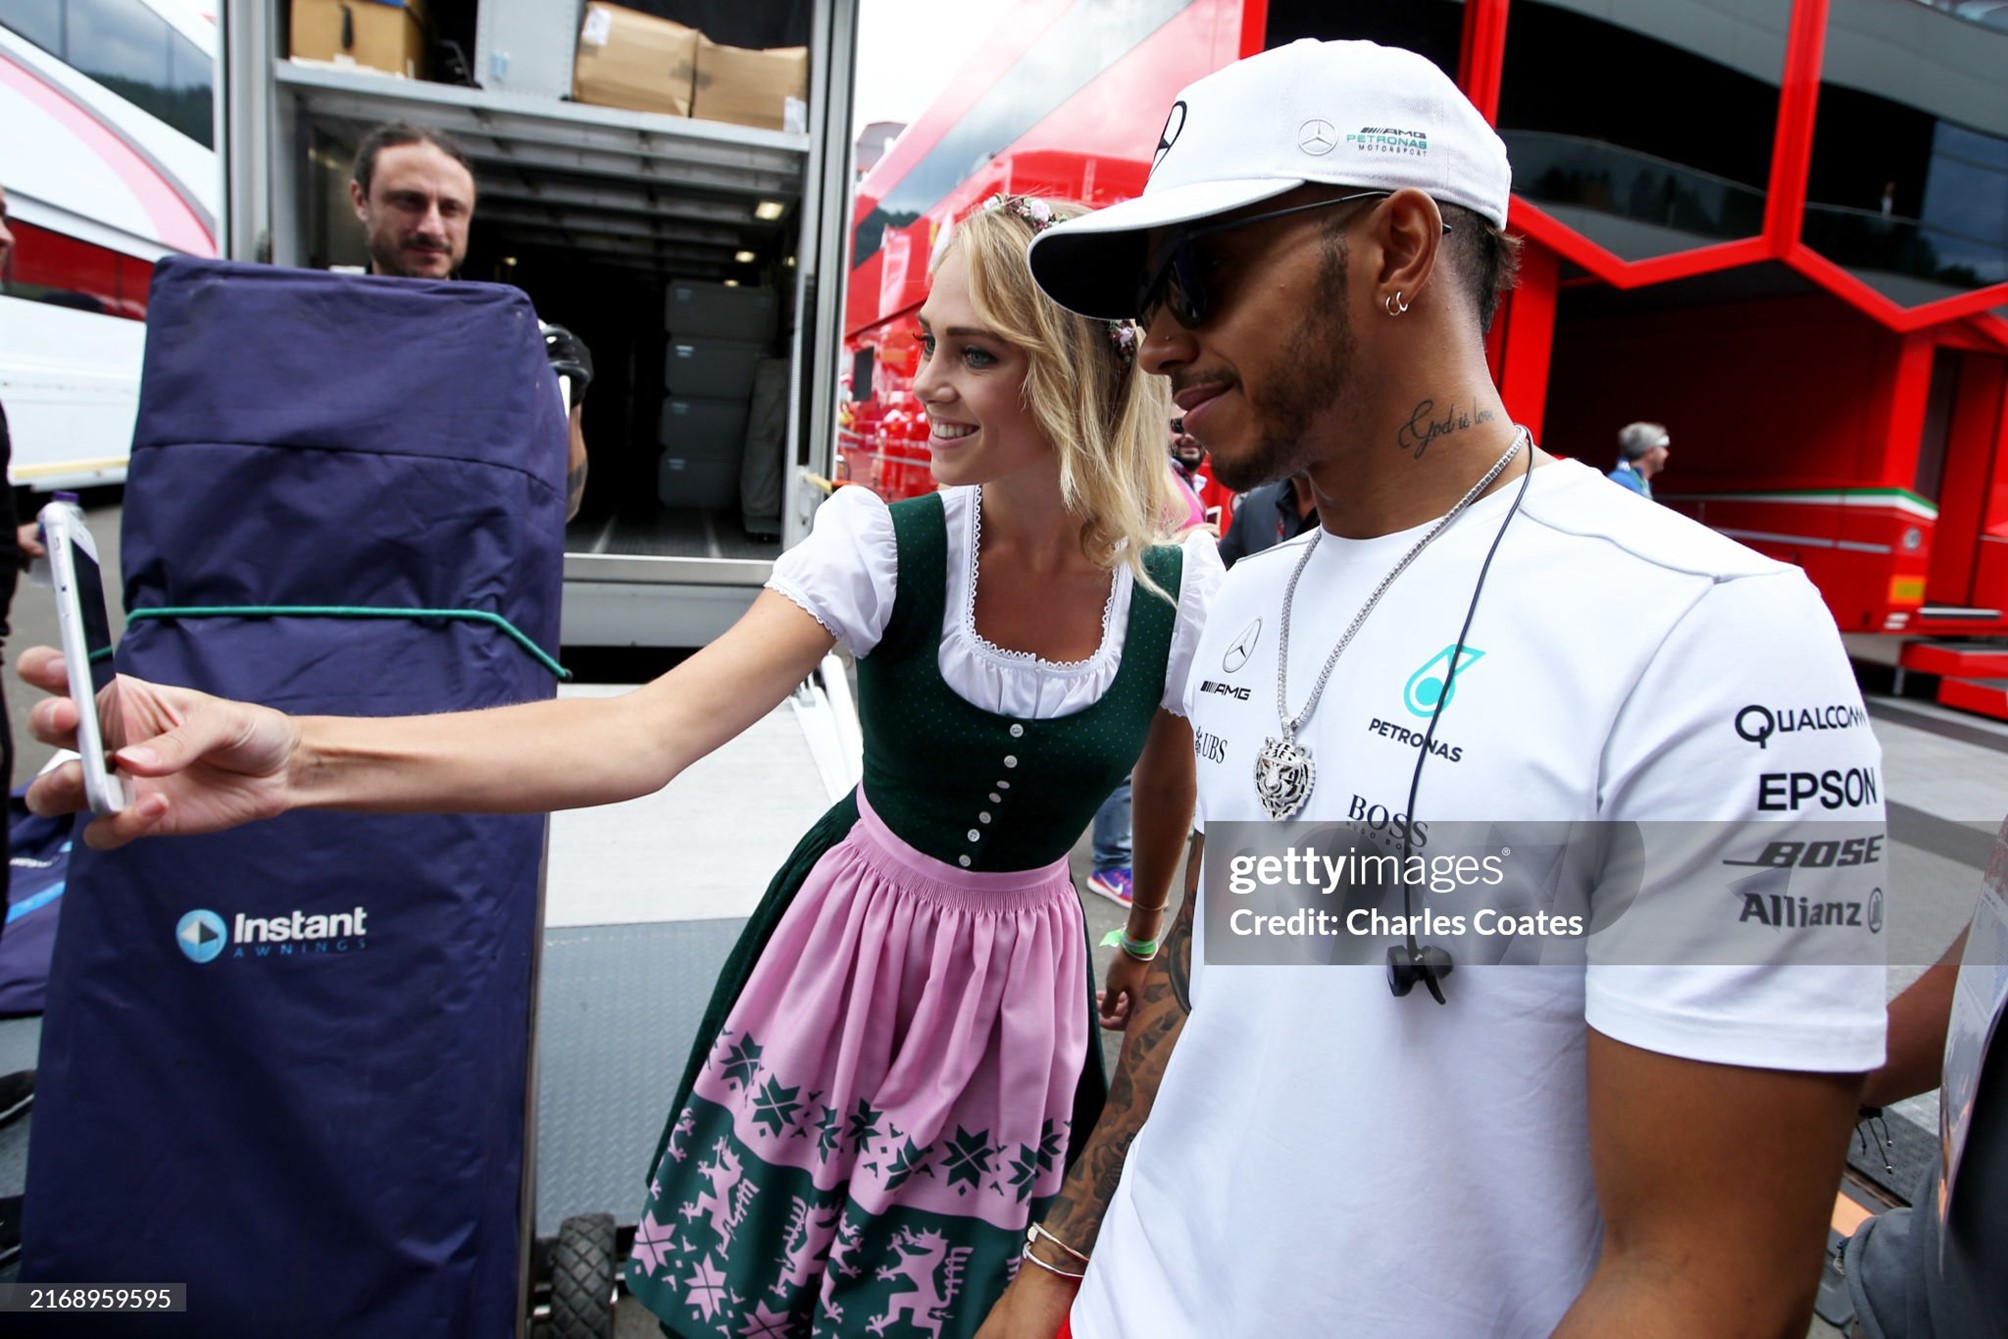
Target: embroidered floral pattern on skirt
pixel 885 1110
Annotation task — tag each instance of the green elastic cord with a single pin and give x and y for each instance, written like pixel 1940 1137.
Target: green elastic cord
pixel 355 611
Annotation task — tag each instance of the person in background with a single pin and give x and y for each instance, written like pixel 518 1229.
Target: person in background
pixel 1268 515
pixel 1188 458
pixel 1642 452
pixel 1186 511
pixel 1111 875
pixel 412 188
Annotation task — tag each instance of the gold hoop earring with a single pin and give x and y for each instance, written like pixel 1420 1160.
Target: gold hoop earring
pixel 1395 306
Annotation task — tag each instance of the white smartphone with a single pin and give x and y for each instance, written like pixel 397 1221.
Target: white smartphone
pixel 87 643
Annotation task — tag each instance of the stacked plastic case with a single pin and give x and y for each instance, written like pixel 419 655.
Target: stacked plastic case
pixel 717 337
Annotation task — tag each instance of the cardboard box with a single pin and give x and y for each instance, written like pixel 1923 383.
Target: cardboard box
pixel 632 60
pixel 387 35
pixel 753 88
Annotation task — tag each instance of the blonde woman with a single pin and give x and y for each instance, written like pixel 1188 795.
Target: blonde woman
pixel 900 1054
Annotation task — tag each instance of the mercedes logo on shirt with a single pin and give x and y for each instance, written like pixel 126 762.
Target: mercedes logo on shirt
pixel 1317 137
pixel 1237 654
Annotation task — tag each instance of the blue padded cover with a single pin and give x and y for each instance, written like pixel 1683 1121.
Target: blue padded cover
pixel 315 1122
pixel 39 869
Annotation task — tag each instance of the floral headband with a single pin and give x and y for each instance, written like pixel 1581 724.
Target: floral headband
pixel 1037 213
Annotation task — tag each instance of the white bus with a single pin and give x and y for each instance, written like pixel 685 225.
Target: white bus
pixel 109 163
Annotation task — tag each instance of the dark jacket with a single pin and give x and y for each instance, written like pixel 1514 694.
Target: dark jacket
pixel 1264 517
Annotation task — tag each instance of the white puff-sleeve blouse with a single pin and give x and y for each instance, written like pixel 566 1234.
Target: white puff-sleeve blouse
pixel 845 573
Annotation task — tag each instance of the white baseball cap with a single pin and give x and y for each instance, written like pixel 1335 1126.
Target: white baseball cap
pixel 1348 113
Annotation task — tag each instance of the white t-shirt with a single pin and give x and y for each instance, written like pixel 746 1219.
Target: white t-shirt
pixel 845 574
pixel 1324 1158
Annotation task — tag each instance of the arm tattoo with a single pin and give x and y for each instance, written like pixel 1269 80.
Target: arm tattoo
pixel 575 490
pixel 1076 1213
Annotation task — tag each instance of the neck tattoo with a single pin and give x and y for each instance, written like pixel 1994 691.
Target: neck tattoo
pixel 1284 774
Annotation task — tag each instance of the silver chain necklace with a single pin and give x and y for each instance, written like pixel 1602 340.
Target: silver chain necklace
pixel 1284 774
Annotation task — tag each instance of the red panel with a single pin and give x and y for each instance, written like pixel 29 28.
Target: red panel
pixel 1990 568
pixel 1971 334
pixel 1523 350
pixel 1254 26
pixel 1899 401
pixel 1966 662
pixel 1798 104
pixel 1483 54
pixel 1095 146
pixel 1988 697
pixel 1121 113
pixel 1129 97
pixel 1024 24
pixel 1990 573
pixel 1789 395
pixel 1777 394
pixel 94 278
pixel 135 281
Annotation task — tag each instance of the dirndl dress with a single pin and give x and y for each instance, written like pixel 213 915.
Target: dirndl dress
pixel 900 1051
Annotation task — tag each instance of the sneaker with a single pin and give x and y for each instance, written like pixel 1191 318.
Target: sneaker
pixel 17 1094
pixel 1114 884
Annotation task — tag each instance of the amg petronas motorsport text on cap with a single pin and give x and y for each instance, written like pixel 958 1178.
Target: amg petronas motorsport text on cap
pixel 1348 113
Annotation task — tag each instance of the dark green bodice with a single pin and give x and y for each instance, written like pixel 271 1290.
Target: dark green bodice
pixel 979 790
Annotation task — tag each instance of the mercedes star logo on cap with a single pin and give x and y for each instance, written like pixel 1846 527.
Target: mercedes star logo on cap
pixel 1317 136
pixel 1174 126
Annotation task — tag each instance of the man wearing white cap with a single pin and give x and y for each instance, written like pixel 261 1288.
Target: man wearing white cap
pixel 1642 1146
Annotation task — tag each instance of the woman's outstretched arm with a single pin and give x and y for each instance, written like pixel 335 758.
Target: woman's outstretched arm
pixel 196 763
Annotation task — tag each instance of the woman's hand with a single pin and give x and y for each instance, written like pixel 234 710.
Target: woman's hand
pixel 192 762
pixel 1122 990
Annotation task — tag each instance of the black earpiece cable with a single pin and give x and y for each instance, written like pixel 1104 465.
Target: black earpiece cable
pixel 1428 962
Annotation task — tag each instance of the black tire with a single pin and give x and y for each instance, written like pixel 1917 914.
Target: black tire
pixel 582 1278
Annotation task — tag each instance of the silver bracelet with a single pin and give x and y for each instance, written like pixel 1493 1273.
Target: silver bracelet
pixel 1026 1254
pixel 1036 1231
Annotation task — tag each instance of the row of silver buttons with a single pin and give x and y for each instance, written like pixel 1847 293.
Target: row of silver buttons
pixel 984 817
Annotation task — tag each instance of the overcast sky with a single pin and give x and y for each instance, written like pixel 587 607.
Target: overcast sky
pixel 908 50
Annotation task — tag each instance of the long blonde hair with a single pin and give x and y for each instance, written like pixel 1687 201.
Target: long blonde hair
pixel 1107 419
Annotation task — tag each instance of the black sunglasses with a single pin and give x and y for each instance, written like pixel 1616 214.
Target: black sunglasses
pixel 1178 281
